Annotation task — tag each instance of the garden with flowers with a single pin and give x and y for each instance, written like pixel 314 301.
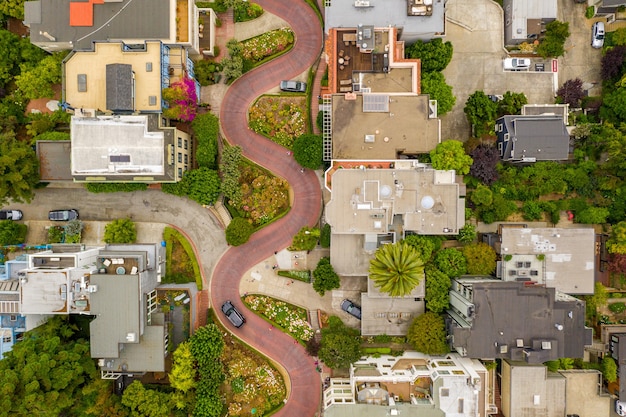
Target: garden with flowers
pixel 260 47
pixel 291 319
pixel 264 197
pixel 182 100
pixel 280 119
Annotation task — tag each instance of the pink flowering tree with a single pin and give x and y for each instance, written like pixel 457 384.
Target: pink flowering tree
pixel 182 100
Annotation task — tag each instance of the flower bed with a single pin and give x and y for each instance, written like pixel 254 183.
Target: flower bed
pixel 288 317
pixel 264 197
pixel 280 119
pixel 260 47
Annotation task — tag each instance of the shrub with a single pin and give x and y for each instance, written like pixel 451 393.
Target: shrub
pixel 12 233
pixel 120 231
pixel 308 150
pixel 206 129
pixel 55 234
pixel 325 277
pixel 531 210
pixel 590 12
pixel 467 233
pixel 508 257
pixel 114 187
pixel 571 92
pixel 238 231
pixel 325 236
pixel 617 308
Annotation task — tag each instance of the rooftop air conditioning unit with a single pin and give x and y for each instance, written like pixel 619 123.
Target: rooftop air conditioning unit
pixel 92 288
pixel 361 3
pixel 131 337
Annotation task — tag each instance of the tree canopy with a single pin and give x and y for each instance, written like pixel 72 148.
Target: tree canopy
pixel 511 103
pixel 485 160
pixel 308 150
pixel 12 8
pixel 120 231
pixel 396 269
pixel 12 233
pixel 37 81
pixel 340 345
pixel 554 39
pixel 201 185
pixel 451 262
pixel 434 84
pixel 427 334
pixel 450 154
pixel 617 241
pixel 19 170
pixel 481 113
pixel 435 55
pixel 437 290
pixel 480 257
pixel 238 231
pixel 424 245
pixel 206 129
pixel 325 277
pixel 571 92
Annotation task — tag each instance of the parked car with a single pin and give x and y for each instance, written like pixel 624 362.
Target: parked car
pixel 597 35
pixel 351 308
pixel 516 63
pixel 235 317
pixel 11 215
pixel 64 215
pixel 620 408
pixel 293 86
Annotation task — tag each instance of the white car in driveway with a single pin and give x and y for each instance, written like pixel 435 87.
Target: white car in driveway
pixel 597 35
pixel 516 64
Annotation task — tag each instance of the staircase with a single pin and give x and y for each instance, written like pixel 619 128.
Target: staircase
pixel 315 324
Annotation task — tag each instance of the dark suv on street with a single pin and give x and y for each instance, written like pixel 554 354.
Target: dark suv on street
pixel 351 308
pixel 235 317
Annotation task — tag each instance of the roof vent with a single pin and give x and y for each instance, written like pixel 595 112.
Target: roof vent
pixel 131 337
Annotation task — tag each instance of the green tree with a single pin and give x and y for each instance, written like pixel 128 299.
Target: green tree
pixel 206 128
pixel 146 402
pixel 480 257
pixel 450 154
pixel 340 345
pixel 435 55
pixel 592 215
pixel 12 8
pixel 482 196
pixel 120 231
pixel 609 369
pixel 238 231
pixel 531 210
pixel 424 245
pixel 553 42
pixel 229 168
pixel 467 234
pixel 37 82
pixel 427 334
pixel 617 241
pixel 12 233
pixel 19 170
pixel 325 234
pixel 308 150
pixel 480 112
pixel 511 103
pixel 325 277
pixel 9 54
pixel 183 375
pixel 434 84
pixel 451 262
pixel 396 269
pixel 437 290
pixel 614 105
pixel 201 185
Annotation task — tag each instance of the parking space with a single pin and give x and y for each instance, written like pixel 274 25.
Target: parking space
pixel 475 28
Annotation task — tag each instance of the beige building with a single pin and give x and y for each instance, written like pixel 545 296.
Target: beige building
pixel 121 78
pixel 128 149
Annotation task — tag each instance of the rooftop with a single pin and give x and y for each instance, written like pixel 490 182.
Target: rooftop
pixel 544 138
pixel 569 261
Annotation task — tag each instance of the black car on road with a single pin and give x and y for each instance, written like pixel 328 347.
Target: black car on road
pixel 235 317
pixel 64 215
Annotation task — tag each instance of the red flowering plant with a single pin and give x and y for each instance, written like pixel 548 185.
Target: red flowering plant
pixel 182 100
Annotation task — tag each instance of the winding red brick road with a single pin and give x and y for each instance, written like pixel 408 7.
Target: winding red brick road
pixel 304 381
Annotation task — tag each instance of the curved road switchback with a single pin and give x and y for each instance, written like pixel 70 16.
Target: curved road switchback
pixel 303 383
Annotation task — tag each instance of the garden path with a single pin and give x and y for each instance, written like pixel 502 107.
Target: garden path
pixel 302 378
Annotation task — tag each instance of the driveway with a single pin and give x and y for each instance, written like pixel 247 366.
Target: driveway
pixel 303 382
pixel 475 28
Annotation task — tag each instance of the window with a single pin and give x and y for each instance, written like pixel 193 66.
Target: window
pixel 82 82
pixel 500 148
pixel 152 100
pixel 148 66
pixel 180 172
pixel 180 142
pixel 13 317
pixel 186 158
pixel 180 157
pixel 7 339
pixel 186 143
pixel 506 137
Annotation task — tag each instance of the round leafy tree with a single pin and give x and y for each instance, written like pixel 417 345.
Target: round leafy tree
pixel 325 277
pixel 480 111
pixel 435 55
pixel 451 155
pixel 120 231
pixel 434 84
pixel 308 150
pixel 238 231
pixel 12 233
pixel 481 258
pixel 340 345
pixel 467 234
pixel 427 334
pixel 424 245
pixel 396 269
pixel 451 262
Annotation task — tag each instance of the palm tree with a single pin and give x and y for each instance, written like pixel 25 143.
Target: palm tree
pixel 397 269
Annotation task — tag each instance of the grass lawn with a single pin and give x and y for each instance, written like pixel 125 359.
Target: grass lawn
pixel 181 263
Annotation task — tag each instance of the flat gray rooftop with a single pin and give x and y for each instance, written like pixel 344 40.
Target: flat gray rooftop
pixel 382 314
pixel 371 410
pixel 404 126
pixel 384 13
pixel 569 256
pixel 129 19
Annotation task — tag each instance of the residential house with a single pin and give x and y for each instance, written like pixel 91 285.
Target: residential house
pixel 410 384
pixel 547 109
pixel 12 324
pixel 617 350
pixel 374 109
pixel 532 138
pixel 560 258
pixel 69 24
pixel 123 79
pixel 116 284
pixel 519 321
pixel 525 20
pixel 414 19
pixel 127 148
pixel 609 8
pixel 533 390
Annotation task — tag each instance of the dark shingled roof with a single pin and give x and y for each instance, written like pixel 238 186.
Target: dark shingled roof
pixel 119 87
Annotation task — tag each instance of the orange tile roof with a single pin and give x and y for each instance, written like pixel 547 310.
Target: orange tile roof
pixel 81 13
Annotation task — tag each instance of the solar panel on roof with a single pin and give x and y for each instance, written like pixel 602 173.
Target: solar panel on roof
pixel 375 103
